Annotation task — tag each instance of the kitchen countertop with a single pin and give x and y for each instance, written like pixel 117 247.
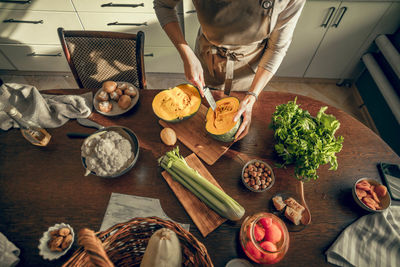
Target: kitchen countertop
pixel 41 186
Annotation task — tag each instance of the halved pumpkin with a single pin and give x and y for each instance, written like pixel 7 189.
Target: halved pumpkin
pixel 220 124
pixel 178 103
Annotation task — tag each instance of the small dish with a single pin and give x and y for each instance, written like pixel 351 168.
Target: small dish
pixel 281 214
pixel 116 110
pixel 44 249
pixel 385 200
pixel 130 136
pixel 258 176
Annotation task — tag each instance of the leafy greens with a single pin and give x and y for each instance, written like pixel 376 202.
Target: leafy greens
pixel 304 140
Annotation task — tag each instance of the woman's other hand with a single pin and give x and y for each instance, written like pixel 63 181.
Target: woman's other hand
pixel 245 110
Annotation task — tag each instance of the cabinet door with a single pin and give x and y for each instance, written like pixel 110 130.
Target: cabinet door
pixel 35 27
pixel 192 24
pixel 114 6
pixel 347 32
pixel 59 5
pixel 309 31
pixel 4 63
pixel 162 59
pixel 36 57
pixel 129 23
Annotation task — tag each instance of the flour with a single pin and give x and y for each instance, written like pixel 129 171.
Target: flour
pixel 107 154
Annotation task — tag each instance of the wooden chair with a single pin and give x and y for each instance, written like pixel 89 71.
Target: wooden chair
pixel 98 56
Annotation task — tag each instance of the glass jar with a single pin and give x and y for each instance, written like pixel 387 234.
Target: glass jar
pixel 264 238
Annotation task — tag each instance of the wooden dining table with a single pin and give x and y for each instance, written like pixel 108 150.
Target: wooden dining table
pixel 42 186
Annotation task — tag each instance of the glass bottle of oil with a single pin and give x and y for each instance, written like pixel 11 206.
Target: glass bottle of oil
pixel 30 130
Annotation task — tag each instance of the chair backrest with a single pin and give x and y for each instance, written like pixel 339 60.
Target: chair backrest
pixel 98 56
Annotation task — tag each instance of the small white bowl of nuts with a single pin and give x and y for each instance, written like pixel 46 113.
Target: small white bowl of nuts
pixel 56 241
pixel 258 176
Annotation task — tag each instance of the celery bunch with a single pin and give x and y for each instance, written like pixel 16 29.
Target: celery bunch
pixel 211 195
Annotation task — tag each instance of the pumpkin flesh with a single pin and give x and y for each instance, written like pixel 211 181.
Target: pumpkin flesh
pixel 220 123
pixel 176 104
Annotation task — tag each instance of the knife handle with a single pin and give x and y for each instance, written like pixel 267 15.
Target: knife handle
pixel 77 135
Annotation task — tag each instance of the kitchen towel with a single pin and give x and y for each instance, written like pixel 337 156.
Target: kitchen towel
pixel 373 240
pixel 122 208
pixel 8 252
pixel 49 111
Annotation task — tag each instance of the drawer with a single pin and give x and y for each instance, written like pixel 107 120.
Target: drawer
pixel 41 29
pixel 36 57
pixel 162 59
pixel 145 6
pixel 59 5
pixel 118 22
pixel 4 63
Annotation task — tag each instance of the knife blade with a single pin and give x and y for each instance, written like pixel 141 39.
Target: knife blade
pixel 89 123
pixel 209 97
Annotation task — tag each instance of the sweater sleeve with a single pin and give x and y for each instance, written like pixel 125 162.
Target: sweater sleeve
pixel 281 36
pixel 165 11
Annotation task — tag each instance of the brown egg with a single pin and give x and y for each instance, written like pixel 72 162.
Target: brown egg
pixel 168 136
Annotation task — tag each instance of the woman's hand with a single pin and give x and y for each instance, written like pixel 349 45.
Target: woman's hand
pixel 245 109
pixel 193 70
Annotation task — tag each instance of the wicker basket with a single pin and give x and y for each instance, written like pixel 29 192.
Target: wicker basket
pixel 125 243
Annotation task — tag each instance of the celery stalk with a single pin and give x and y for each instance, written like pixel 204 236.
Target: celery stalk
pixel 211 195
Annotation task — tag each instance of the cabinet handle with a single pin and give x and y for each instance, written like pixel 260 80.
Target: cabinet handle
pixel 149 55
pixel 122 5
pixel 190 11
pixel 16 1
pixel 43 55
pixel 116 23
pixel 341 16
pixel 331 11
pixel 23 21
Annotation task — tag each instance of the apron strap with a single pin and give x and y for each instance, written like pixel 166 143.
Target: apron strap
pixel 231 57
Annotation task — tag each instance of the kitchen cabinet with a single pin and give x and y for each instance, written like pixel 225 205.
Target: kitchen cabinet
pixel 35 27
pixel 36 57
pixel 346 32
pixel 5 64
pixel 310 30
pixel 128 23
pixel 131 17
pixel 191 23
pixel 49 5
pixel 328 36
pixel 30 41
pixel 28 34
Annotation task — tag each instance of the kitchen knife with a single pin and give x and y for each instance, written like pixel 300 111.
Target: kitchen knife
pixel 209 97
pixel 89 123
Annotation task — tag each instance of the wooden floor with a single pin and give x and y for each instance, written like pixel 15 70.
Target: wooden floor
pixel 326 91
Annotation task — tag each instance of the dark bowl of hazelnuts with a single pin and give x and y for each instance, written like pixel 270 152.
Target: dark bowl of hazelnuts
pixel 258 176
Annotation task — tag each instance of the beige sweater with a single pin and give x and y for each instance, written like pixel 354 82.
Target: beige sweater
pixel 241 22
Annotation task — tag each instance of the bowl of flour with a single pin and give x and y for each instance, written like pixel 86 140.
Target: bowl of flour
pixel 110 152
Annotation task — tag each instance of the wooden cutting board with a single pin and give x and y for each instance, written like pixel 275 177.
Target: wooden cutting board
pixel 205 218
pixel 192 133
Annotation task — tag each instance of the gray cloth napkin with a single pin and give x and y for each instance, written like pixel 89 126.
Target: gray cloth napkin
pixel 49 111
pixel 8 252
pixel 373 240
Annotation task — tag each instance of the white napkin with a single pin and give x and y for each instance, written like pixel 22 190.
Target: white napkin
pixel 373 240
pixel 49 111
pixel 8 252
